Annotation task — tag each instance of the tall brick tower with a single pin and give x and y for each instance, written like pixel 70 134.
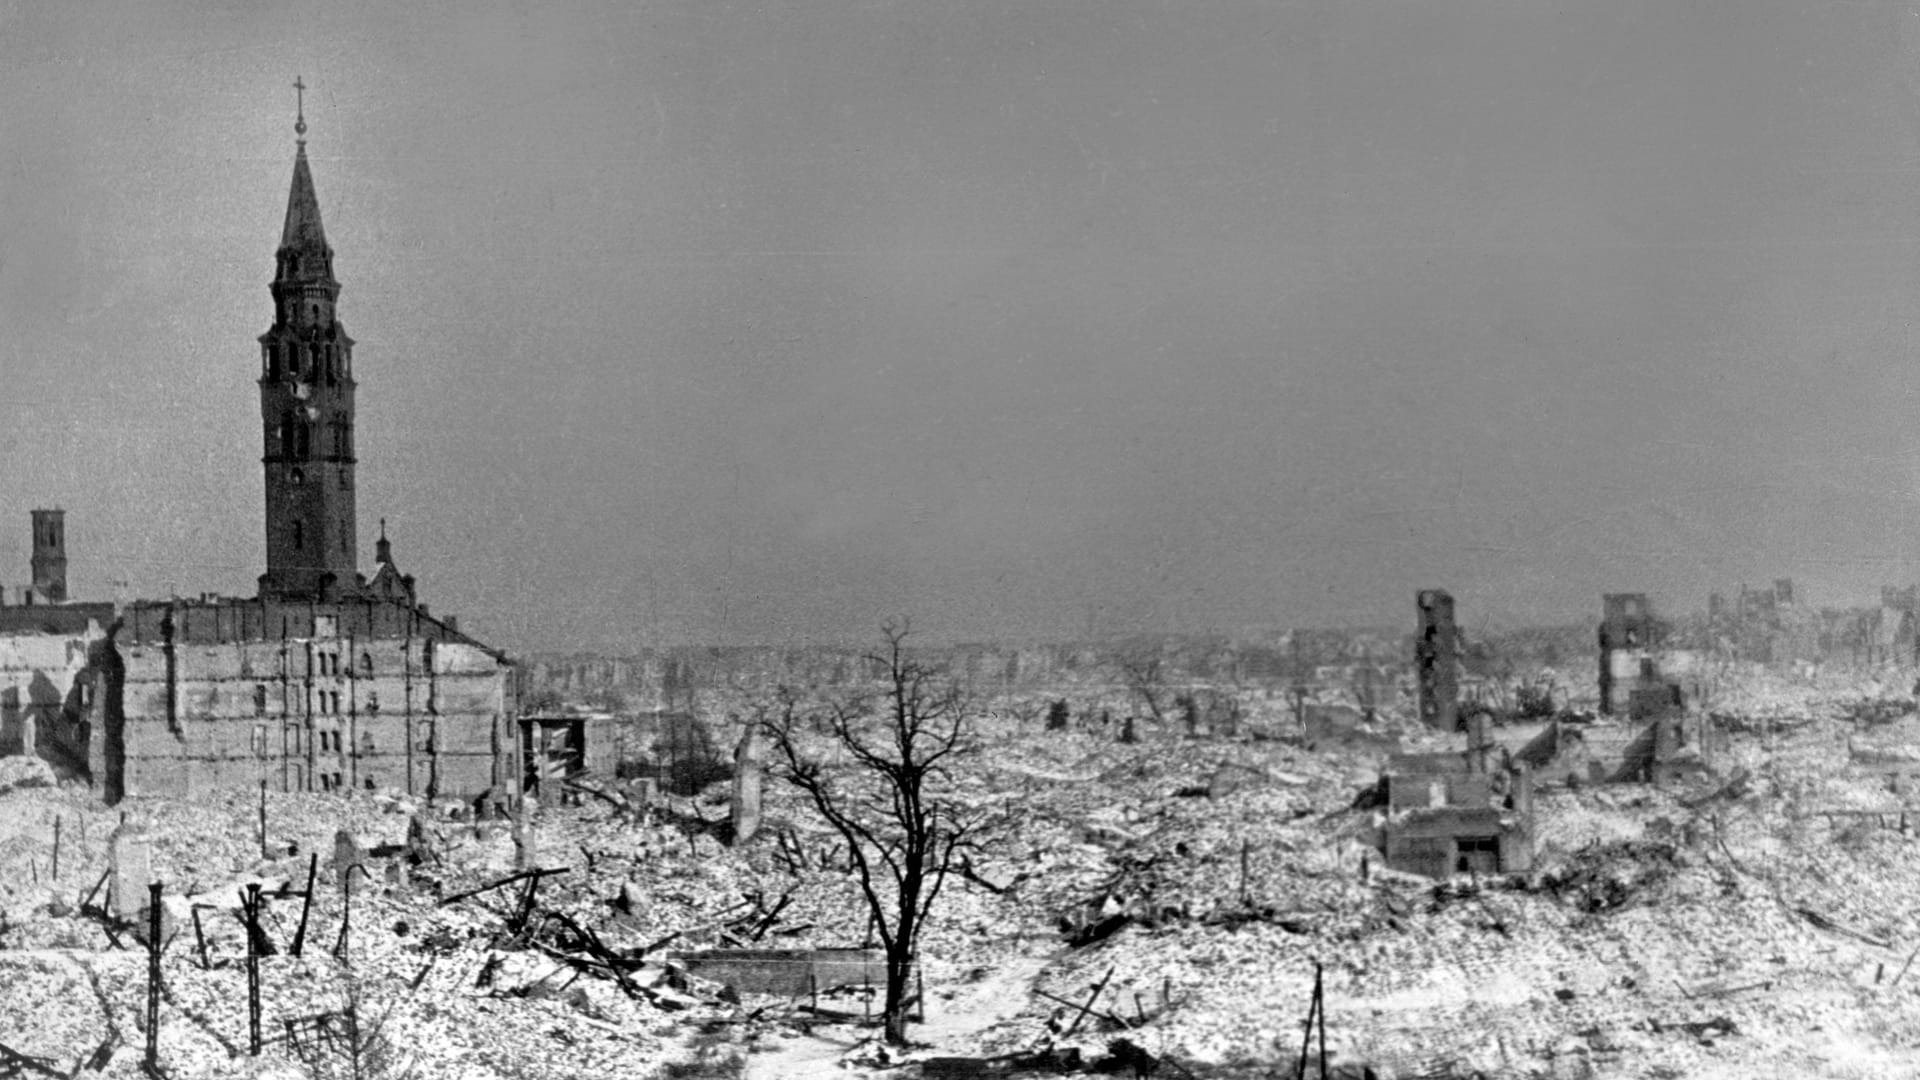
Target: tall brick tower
pixel 50 555
pixel 1436 653
pixel 306 408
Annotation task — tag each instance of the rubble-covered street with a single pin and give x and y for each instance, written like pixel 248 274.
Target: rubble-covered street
pixel 1755 923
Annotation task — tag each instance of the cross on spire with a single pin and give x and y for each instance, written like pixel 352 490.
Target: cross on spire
pixel 300 108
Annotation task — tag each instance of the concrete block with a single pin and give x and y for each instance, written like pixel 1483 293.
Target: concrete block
pixel 130 866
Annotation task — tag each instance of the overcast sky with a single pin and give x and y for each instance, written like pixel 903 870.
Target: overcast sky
pixel 707 321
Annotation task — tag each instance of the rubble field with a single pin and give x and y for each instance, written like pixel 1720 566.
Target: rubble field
pixel 1157 907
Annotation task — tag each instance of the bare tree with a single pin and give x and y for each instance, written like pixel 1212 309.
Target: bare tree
pixel 887 805
pixel 1144 670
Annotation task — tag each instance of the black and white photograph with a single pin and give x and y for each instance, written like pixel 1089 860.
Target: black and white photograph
pixel 895 539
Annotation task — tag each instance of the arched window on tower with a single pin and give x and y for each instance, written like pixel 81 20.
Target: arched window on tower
pixel 286 434
pixel 299 536
pixel 302 440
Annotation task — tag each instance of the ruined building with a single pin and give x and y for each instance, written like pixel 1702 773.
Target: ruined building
pixel 1631 639
pixel 1457 812
pixel 326 679
pixel 1436 654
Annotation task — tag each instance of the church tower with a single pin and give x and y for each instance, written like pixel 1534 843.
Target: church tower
pixel 306 408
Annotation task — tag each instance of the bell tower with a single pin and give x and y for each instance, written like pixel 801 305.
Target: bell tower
pixel 306 406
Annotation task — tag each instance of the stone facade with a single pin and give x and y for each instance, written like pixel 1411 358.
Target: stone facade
pixel 193 696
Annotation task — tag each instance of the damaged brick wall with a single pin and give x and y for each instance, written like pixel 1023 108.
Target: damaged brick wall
pixel 57 690
pixel 184 698
pixel 316 714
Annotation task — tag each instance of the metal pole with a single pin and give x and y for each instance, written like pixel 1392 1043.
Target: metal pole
pixel 250 901
pixel 153 979
pixel 306 903
pixel 1320 1004
pixel 263 818
pixel 1306 1042
pixel 346 913
pixel 200 937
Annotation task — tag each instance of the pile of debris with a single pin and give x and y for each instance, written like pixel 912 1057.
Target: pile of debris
pixel 1872 712
pixel 1602 877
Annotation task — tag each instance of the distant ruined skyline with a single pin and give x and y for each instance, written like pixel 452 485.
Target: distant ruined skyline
pixel 733 322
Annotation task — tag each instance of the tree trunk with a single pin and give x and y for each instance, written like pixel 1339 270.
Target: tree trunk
pixel 895 1011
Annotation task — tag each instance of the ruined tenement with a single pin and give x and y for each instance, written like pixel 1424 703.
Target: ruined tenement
pixel 1458 812
pixel 1436 658
pixel 1628 636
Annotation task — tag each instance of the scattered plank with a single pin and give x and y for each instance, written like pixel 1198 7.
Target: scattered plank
pixel 502 883
pixel 1098 989
pixel 1829 925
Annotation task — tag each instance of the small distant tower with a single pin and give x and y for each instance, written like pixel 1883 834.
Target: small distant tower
pixel 50 555
pixel 1436 659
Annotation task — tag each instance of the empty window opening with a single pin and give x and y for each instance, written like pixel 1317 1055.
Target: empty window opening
pixel 1477 855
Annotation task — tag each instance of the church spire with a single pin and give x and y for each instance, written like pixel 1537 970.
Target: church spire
pixel 306 406
pixel 304 254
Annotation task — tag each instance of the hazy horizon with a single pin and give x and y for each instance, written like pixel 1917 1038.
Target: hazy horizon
pixel 702 321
